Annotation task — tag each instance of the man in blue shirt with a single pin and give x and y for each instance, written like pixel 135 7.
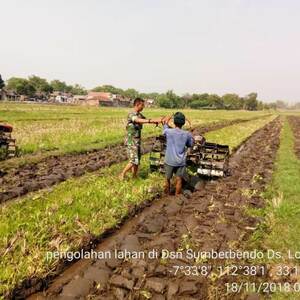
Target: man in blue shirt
pixel 175 158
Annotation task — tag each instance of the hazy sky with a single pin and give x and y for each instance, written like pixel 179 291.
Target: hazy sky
pixel 154 45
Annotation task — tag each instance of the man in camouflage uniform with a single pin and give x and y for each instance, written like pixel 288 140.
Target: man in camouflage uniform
pixel 135 121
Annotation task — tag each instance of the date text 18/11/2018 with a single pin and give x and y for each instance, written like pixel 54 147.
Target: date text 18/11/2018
pixel 262 287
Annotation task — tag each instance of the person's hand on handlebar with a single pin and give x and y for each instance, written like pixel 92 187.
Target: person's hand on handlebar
pixel 166 119
pixel 149 121
pixel 156 120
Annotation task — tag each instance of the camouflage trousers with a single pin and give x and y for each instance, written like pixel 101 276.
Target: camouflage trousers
pixel 134 153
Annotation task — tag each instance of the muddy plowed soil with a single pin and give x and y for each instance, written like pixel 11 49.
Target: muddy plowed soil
pixel 52 170
pixel 295 124
pixel 211 218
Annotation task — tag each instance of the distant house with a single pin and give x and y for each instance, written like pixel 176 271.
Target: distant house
pixel 23 98
pixel 9 95
pixel 149 102
pixel 60 97
pixel 122 101
pixel 100 98
pixel 79 99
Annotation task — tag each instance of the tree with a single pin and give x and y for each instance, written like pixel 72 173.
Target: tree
pixel 109 89
pixel 131 93
pixel 271 105
pixel 2 83
pixel 200 101
pixel 170 100
pixel 296 106
pixel 78 90
pixel 59 86
pixel 260 105
pixel 163 101
pixel 21 86
pixel 40 84
pixel 232 101
pixel 153 96
pixel 216 101
pixel 281 104
pixel 251 102
pixel 186 99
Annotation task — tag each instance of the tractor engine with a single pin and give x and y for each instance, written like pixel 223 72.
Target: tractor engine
pixel 205 158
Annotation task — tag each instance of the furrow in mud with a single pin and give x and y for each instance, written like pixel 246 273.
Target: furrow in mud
pixel 295 125
pixel 19 181
pixel 211 218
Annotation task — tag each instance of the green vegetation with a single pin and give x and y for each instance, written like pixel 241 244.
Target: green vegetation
pixel 61 86
pixel 2 83
pixel 280 231
pixel 170 100
pixel 195 101
pixel 233 135
pixel 53 129
pixel 21 86
pixel 63 217
pixel 227 101
pixel 129 93
pixel 40 87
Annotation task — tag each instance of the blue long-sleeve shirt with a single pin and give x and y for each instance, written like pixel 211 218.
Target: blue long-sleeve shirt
pixel 177 142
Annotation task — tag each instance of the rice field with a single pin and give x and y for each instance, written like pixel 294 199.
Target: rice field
pixel 56 129
pixel 65 216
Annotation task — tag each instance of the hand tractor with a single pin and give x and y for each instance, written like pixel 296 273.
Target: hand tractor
pixel 206 159
pixel 8 147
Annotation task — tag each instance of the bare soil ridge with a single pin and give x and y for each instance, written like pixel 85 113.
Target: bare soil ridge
pixel 212 218
pixel 16 182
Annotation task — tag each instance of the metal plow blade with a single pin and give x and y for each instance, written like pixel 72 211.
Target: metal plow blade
pixel 205 158
pixel 157 154
pixel 213 160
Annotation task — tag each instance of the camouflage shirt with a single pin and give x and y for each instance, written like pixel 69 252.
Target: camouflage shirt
pixel 134 129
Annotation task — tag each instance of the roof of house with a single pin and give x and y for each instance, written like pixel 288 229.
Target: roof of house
pixel 150 100
pixel 103 96
pixel 80 97
pixel 10 93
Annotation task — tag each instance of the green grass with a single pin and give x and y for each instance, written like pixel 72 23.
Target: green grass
pixel 280 231
pixel 234 134
pixel 59 219
pixel 41 128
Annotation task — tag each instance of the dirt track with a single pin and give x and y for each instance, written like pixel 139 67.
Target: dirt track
pixel 210 219
pixel 52 170
pixel 295 124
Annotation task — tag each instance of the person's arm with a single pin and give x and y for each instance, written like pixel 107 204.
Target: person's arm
pixel 190 141
pixel 165 128
pixel 147 121
pixel 166 120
